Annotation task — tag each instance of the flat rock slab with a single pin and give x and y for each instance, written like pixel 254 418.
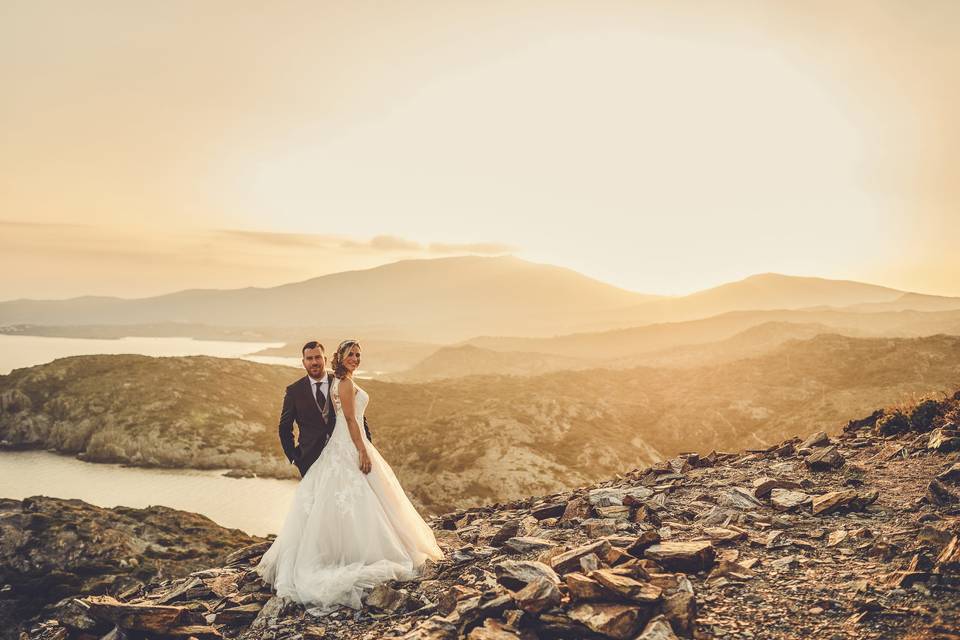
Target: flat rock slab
pixel 658 629
pixel 825 459
pixel 583 588
pixel 833 501
pixel 539 595
pixel 242 615
pixel 950 475
pixel 626 588
pixel 138 617
pixel 516 574
pixel 610 497
pixel 763 486
pixel 944 440
pixel 570 560
pixel 618 621
pixel 527 544
pixel 721 534
pixel 739 498
pixel 549 510
pixel 786 500
pixel 688 557
pixel 847 499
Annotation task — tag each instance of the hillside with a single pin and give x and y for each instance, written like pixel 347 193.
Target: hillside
pixel 469 360
pixel 856 536
pixel 623 344
pixel 472 440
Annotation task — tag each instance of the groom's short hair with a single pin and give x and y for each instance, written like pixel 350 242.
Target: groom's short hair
pixel 313 344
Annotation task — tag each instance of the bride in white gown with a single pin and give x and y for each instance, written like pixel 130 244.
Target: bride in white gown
pixel 350 525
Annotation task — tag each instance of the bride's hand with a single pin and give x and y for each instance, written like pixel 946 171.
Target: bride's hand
pixel 364 460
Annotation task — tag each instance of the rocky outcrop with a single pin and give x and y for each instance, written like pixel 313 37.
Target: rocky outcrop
pixel 695 546
pixel 52 549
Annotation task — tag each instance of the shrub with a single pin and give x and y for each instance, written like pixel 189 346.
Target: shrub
pixel 893 423
pixel 921 419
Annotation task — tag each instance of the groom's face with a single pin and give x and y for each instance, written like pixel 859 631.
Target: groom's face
pixel 314 362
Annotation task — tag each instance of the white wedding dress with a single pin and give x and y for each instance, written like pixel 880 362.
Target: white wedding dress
pixel 346 531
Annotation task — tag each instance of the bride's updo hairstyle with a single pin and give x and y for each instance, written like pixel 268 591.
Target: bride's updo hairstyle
pixel 337 362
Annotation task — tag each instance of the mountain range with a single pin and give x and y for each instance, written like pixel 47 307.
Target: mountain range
pixel 446 300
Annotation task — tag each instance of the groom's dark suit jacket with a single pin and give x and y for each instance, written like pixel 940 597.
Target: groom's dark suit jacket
pixel 300 406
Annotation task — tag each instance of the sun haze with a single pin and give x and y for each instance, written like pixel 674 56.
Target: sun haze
pixel 659 146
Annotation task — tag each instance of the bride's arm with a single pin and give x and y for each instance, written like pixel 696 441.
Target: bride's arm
pixel 347 395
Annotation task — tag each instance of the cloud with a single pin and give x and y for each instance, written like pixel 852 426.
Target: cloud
pixel 393 243
pixel 487 248
pixel 306 240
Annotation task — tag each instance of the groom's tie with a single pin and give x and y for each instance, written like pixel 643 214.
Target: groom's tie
pixel 321 401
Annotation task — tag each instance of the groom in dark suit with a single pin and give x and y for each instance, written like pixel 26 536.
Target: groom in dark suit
pixel 307 402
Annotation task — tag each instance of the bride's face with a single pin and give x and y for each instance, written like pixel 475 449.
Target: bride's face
pixel 352 359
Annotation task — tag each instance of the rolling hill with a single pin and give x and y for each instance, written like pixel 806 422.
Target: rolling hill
pixel 479 439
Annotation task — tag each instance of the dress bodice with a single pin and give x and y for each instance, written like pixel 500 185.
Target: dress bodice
pixel 362 398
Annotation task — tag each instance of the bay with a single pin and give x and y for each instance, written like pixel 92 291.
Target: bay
pixel 28 351
pixel 253 505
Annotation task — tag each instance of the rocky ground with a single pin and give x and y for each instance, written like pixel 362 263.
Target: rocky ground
pixel 51 549
pixel 856 536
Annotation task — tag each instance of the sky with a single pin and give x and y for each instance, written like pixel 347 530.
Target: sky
pixel 662 146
